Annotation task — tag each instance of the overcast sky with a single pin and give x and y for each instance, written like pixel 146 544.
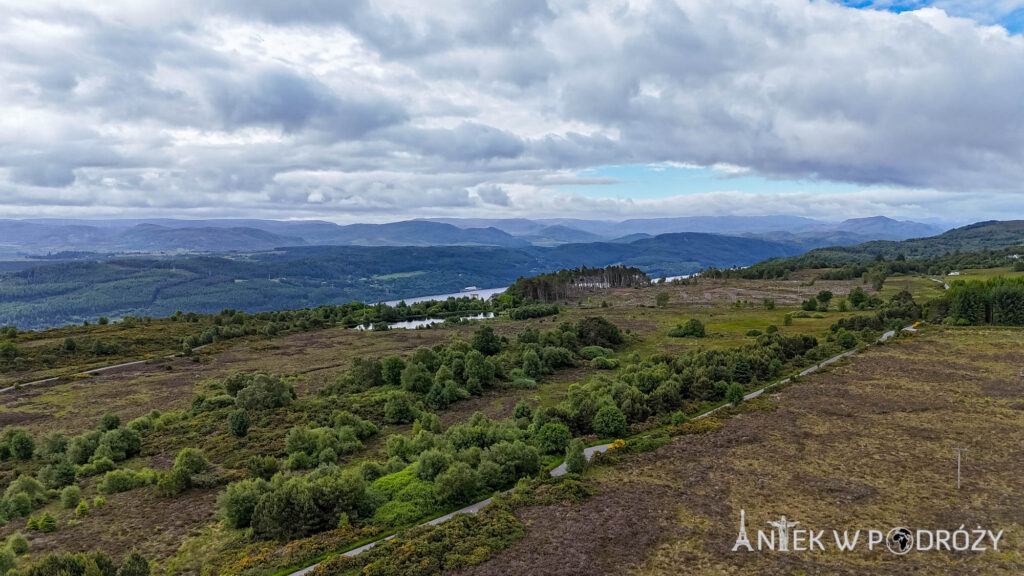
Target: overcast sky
pixel 389 109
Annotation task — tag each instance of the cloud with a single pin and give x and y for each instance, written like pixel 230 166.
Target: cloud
pixel 393 109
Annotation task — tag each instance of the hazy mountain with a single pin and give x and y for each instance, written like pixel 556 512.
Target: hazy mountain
pixel 44 236
pixel 291 277
pixel 882 228
pixel 153 238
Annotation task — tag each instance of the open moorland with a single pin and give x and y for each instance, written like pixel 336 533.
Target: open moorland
pixel 866 444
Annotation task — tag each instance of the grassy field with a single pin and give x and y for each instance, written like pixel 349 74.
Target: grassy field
pixel 865 444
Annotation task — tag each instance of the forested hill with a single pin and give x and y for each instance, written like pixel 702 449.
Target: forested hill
pixel 992 235
pixel 69 292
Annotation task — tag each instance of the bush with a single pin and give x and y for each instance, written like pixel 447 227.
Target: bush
pixel 262 467
pixel 552 438
pixel 846 339
pixel 19 505
pixel 417 378
pixel 7 561
pixel 575 459
pixel 82 509
pixel 398 409
pixel 58 474
pixel 70 497
pixel 692 328
pixel 678 418
pixel 598 331
pixel 191 461
pixel 238 422
pixel 134 565
pixel 602 363
pixel 47 523
pixel 19 442
pixel 532 366
pixel 110 422
pixel 17 543
pixel 592 352
pixel 456 485
pixel 522 410
pixel 120 444
pixel 173 482
pixel 264 392
pixel 29 486
pixel 734 394
pixel 431 463
pixel 610 422
pixel 117 481
pixel 238 501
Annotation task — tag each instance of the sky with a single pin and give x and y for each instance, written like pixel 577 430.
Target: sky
pixel 382 110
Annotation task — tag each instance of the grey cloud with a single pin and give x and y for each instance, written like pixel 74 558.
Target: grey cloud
pixel 494 195
pixel 397 107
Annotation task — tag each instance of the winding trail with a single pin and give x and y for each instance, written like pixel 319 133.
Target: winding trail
pixel 93 371
pixel 589 452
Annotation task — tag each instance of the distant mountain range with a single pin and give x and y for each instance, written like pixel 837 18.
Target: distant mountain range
pixel 46 293
pixel 43 236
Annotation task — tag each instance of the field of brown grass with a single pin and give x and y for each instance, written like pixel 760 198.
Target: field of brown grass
pixel 865 444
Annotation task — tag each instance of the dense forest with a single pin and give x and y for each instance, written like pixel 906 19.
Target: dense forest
pixel 566 284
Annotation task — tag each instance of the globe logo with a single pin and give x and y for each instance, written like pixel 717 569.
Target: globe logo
pixel 899 541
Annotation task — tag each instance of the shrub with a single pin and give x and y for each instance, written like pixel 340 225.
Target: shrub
pixel 602 363
pixel 117 481
pixel 99 502
pixel 19 505
pixel 110 422
pixel 522 410
pixel 734 394
pixel 47 523
pixel 7 560
pixel 239 500
pixel 598 331
pixel 70 497
pixel 456 485
pixel 431 463
pixel 391 369
pixel 552 438
pixel 846 339
pixel 120 444
pixel 191 461
pixel 82 509
pixel 417 378
pixel 532 366
pixel 134 564
pixel 398 409
pixel 238 422
pixel 29 486
pixel 265 392
pixel 17 543
pixel 610 422
pixel 692 328
pixel 262 467
pixel 591 352
pixel 678 418
pixel 661 299
pixel 20 443
pixel 58 474
pixel 575 459
pixel 173 482
pixel 754 333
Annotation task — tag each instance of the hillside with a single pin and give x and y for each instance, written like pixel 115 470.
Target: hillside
pixel 977 237
pixel 294 277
